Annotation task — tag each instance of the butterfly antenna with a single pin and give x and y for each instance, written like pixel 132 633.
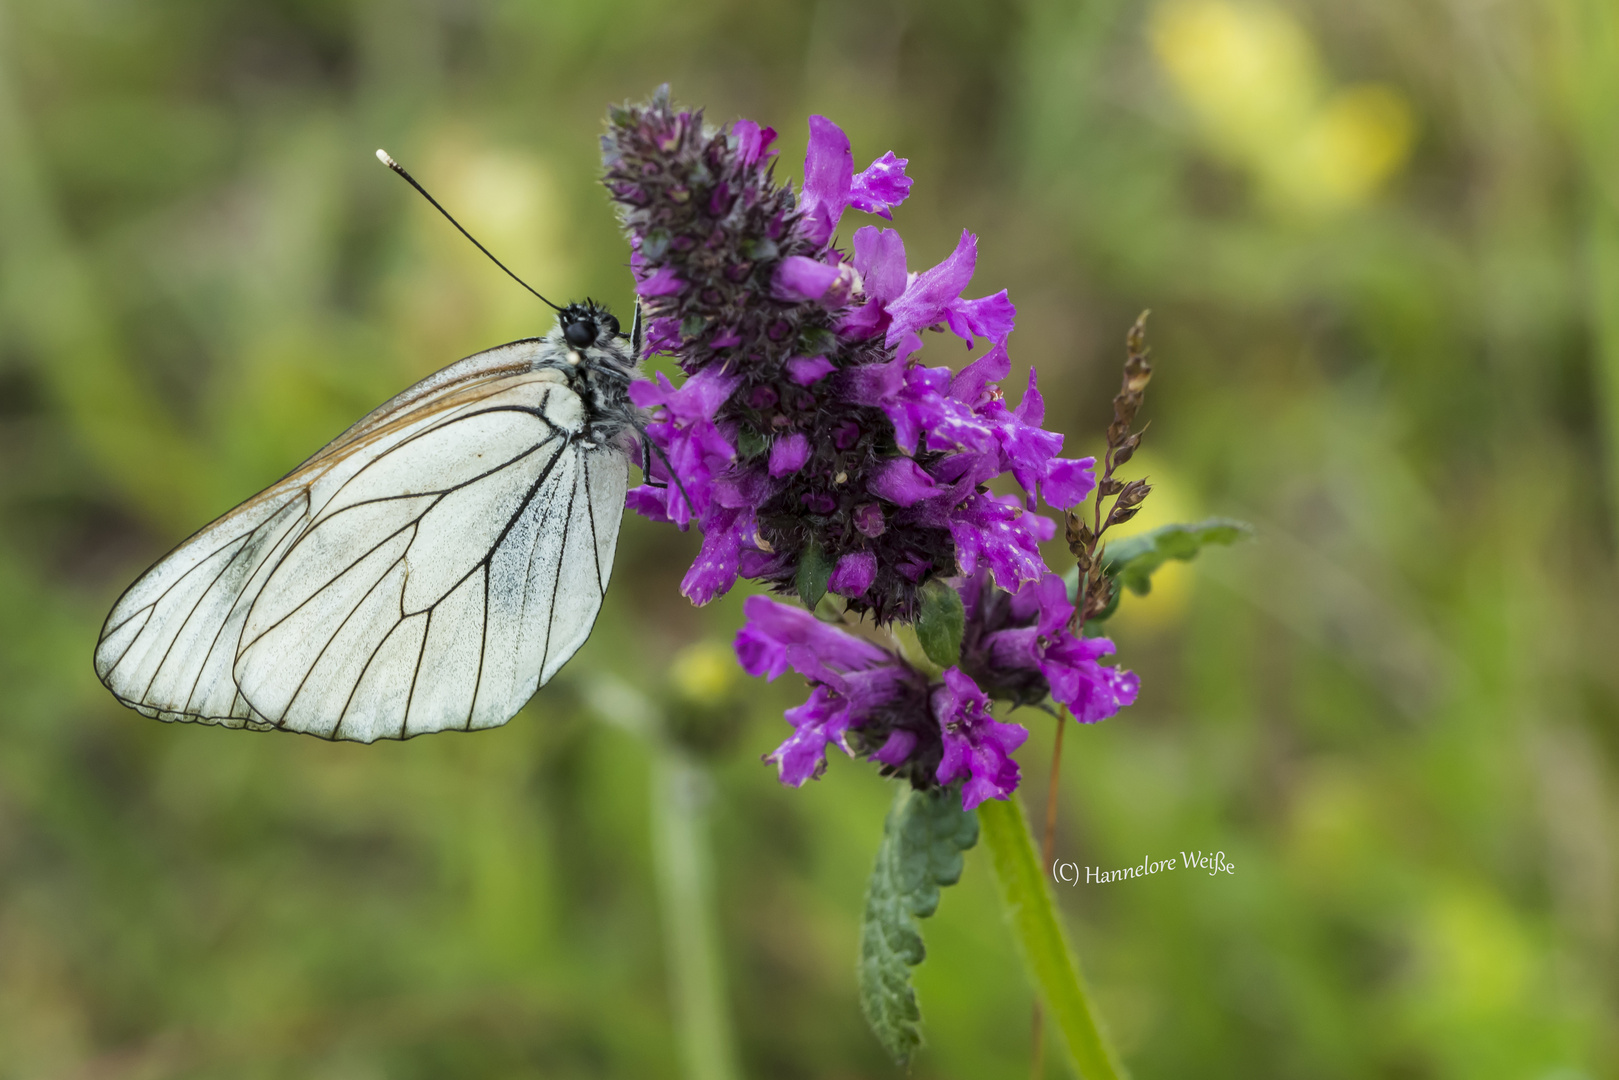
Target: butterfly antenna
pixel 382 156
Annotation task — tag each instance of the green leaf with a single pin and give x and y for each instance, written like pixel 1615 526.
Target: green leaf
pixel 750 444
pixel 1130 562
pixel 814 571
pixel 1032 912
pixel 940 623
pixel 817 341
pixel 923 838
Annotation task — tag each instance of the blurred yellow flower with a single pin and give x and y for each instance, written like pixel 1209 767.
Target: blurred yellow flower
pixel 704 673
pixel 1251 75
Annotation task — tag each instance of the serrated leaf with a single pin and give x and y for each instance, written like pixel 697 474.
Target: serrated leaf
pixel 923 838
pixel 1131 562
pixel 940 622
pixel 814 571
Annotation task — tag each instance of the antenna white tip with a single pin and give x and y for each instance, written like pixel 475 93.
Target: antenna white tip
pixel 382 156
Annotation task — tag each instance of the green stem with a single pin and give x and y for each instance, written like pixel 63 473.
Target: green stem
pixel 680 790
pixel 1031 909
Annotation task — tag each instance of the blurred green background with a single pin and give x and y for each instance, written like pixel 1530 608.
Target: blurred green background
pixel 1381 242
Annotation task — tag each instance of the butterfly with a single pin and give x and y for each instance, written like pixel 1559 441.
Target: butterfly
pixel 427 570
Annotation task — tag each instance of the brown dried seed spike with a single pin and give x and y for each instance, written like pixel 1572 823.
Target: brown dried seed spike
pixel 1136 339
pixel 1134 492
pixel 1121 514
pixel 1137 374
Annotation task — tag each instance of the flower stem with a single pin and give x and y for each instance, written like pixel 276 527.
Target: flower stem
pixel 680 790
pixel 1031 910
pixel 1048 852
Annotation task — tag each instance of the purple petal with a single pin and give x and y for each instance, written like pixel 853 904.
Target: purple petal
pixel 879 255
pixel 648 501
pixel 752 142
pixel 724 338
pixel 868 520
pixel 715 570
pixel 808 370
pixel 854 574
pixel 663 336
pixel 1032 409
pixel 929 295
pixel 820 720
pixel 999 534
pixel 988 317
pixel 664 282
pixel 777 636
pixel 902 482
pixel 1092 690
pixel 788 453
pixel 799 278
pixel 881 186
pixel 977 747
pixel 970 383
pixel 1068 481
pixel 896 748
pixel 828 174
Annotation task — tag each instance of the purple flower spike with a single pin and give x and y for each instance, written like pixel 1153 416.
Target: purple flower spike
pixel 977 747
pixel 806 434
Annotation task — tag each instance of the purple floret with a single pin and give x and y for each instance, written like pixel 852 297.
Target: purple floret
pixel 977 747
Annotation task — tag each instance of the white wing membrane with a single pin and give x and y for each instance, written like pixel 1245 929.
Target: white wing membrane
pixel 428 570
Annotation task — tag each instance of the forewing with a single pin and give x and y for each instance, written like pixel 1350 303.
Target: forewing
pixel 354 600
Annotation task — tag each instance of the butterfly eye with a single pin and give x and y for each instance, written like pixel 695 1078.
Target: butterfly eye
pixel 580 334
pixel 610 324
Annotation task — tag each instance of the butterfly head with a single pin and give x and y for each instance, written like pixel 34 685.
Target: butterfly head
pixel 587 324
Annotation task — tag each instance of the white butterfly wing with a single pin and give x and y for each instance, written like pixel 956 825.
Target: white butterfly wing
pixel 428 569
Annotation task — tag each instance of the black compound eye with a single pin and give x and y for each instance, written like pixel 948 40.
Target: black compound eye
pixel 610 324
pixel 580 334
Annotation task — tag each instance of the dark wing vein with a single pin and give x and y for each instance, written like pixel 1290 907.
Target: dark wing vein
pixel 556 577
pixel 341 623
